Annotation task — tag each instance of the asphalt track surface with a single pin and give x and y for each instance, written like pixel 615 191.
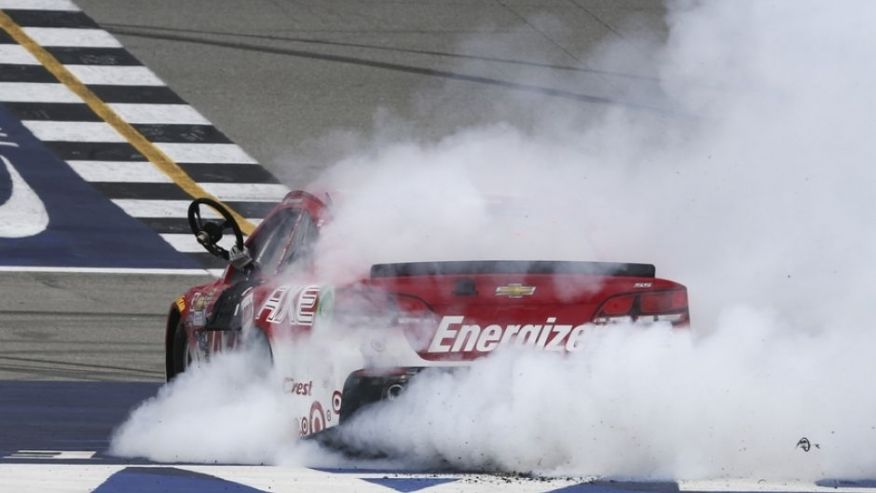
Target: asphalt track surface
pixel 83 326
pixel 65 415
pixel 282 79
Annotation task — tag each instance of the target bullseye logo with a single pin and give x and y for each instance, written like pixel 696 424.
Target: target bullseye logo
pixel 336 402
pixel 317 417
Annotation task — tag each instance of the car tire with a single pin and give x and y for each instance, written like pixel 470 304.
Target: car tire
pixel 178 351
pixel 180 357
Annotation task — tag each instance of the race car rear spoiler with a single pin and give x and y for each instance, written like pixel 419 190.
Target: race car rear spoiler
pixel 408 269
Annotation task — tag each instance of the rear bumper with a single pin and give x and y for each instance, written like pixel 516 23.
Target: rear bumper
pixel 365 387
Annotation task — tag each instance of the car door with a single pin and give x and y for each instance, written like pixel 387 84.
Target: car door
pixel 269 246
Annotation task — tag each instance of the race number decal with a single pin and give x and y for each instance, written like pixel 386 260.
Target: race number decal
pixel 297 309
pixel 305 306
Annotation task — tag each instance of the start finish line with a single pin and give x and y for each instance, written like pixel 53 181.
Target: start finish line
pixel 63 478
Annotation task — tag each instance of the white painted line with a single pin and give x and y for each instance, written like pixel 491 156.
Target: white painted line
pixel 246 192
pixel 115 75
pixel 38 5
pixel 185 242
pixel 52 454
pixel 119 171
pixel 159 208
pixel 165 208
pixel 289 480
pixel 72 37
pixel 299 480
pixel 16 54
pixel 52 131
pixel 205 153
pixel 36 92
pixel 764 486
pixel 54 478
pixel 101 270
pixel 159 113
pixel 23 213
pixel 64 478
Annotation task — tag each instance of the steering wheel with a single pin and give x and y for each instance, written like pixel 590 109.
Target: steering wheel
pixel 208 233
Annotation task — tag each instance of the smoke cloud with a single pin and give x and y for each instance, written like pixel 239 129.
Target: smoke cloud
pixel 738 160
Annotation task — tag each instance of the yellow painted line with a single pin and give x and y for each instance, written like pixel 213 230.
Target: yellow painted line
pixel 155 155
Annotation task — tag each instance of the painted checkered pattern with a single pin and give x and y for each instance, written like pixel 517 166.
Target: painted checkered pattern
pixel 100 155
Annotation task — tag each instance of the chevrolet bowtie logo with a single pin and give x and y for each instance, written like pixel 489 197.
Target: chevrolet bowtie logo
pixel 515 290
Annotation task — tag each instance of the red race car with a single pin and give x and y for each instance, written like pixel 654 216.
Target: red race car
pixel 341 347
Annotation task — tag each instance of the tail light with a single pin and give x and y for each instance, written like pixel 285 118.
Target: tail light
pixel 416 319
pixel 411 309
pixel 649 306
